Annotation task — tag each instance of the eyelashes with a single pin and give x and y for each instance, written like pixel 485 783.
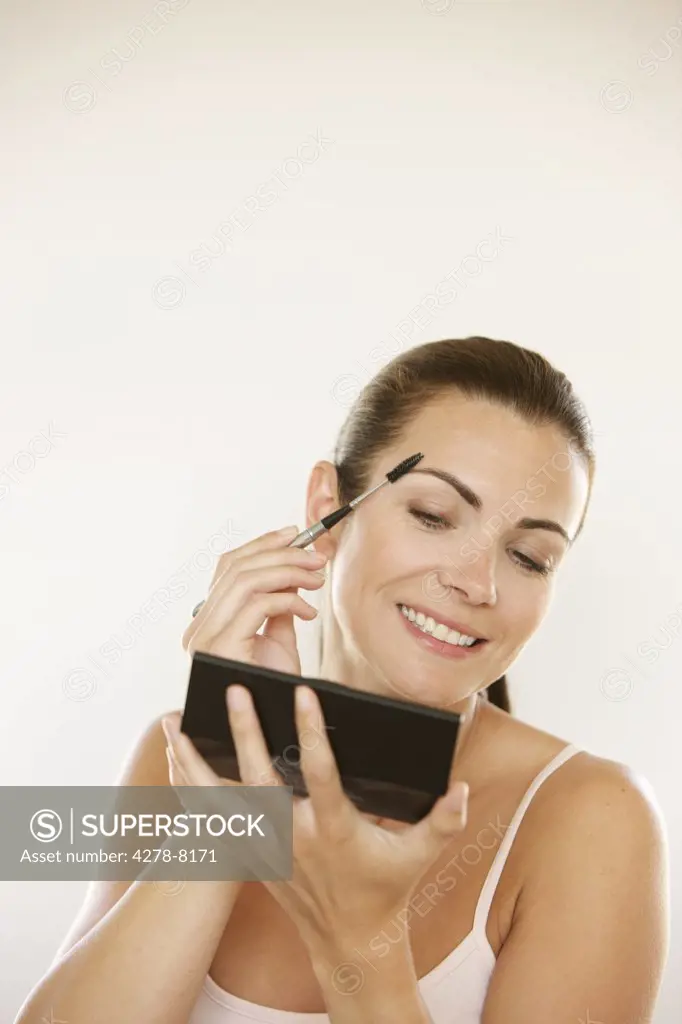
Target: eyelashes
pixel 527 563
pixel 435 522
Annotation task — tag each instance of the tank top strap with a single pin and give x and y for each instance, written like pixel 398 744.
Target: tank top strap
pixel 489 886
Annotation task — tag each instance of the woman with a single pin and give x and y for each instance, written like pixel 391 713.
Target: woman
pixel 536 890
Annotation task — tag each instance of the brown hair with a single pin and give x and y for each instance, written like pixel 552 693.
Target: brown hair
pixel 499 371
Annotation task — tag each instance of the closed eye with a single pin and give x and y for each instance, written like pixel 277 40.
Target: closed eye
pixel 531 566
pixel 434 522
pixel 428 519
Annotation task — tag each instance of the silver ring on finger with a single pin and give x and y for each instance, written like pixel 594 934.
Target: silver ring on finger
pixel 196 608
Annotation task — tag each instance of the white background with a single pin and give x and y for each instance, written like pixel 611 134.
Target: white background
pixel 551 122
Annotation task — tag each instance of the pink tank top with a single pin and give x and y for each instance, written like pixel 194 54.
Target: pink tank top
pixel 454 990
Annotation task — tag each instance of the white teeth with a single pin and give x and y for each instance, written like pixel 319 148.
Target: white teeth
pixel 437 629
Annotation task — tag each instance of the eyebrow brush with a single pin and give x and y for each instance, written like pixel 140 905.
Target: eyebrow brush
pixel 307 536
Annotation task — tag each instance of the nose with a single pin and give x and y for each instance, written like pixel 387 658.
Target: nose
pixel 473 579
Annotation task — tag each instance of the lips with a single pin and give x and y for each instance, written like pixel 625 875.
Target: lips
pixel 440 648
pixel 450 623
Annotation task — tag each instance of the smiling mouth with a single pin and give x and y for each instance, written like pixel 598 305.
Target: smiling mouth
pixel 430 627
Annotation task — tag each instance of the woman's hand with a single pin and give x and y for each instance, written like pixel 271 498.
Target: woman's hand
pixel 351 876
pixel 255 584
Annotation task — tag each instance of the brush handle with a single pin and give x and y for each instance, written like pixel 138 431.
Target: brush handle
pixel 311 533
pixel 307 536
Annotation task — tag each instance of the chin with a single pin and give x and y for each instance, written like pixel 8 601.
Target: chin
pixel 403 686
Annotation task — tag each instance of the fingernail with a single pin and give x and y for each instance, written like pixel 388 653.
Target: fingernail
pixel 237 697
pixel 169 728
pixel 289 530
pixel 458 797
pixel 316 556
pixel 305 698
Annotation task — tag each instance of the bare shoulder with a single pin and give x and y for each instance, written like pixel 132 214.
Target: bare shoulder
pixel 604 802
pixel 145 762
pixel 587 918
pixel 599 814
pixel 586 799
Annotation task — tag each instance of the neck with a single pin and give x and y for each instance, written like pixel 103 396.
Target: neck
pixel 472 709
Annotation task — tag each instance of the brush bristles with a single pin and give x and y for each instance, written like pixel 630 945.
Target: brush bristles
pixel 404 467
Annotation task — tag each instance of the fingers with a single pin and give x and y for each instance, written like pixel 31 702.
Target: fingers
pixel 262 560
pixel 330 804
pixel 334 813
pixel 175 776
pixel 255 765
pixel 282 555
pixel 240 582
pixel 267 546
pixel 272 572
pixel 281 630
pixel 264 542
pixel 188 769
pixel 195 783
pixel 186 759
pixel 232 642
pixel 426 840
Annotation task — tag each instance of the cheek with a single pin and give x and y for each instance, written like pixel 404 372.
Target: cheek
pixel 380 553
pixel 530 602
pixel 366 573
pixel 352 577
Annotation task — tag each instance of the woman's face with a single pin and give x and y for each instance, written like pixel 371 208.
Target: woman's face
pixel 467 559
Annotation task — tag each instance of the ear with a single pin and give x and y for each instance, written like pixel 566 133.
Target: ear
pixel 322 498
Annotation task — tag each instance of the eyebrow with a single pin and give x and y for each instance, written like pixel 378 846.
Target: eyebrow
pixel 543 524
pixel 465 492
pixel 471 498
